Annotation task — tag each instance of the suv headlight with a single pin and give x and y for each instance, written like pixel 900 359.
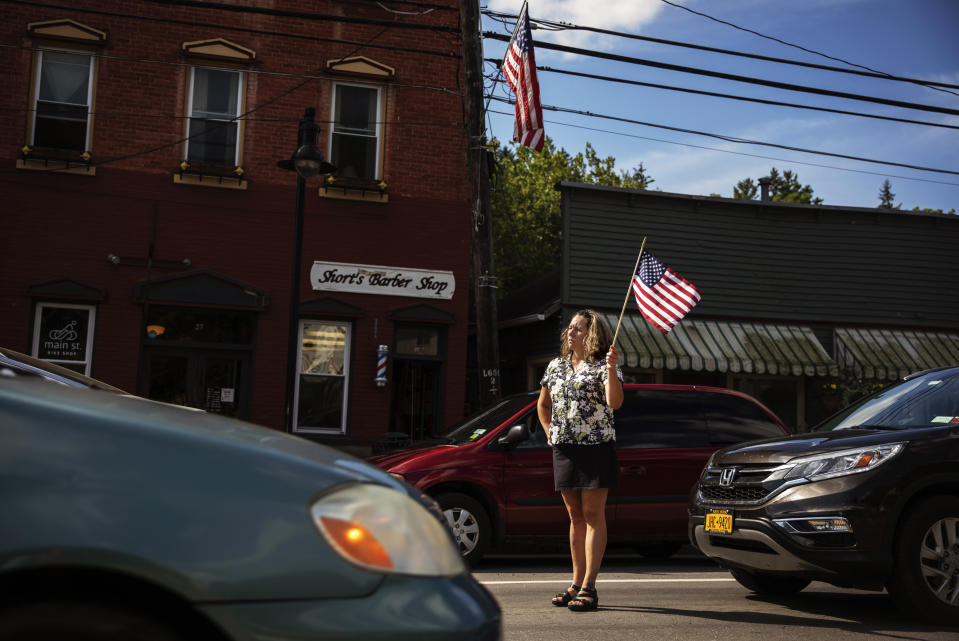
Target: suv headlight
pixel 384 530
pixel 824 466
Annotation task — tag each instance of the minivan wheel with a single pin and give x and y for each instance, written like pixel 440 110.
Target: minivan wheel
pixel 469 524
pixel 925 579
pixel 769 584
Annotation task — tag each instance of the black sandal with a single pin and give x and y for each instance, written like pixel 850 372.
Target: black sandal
pixel 564 597
pixel 587 599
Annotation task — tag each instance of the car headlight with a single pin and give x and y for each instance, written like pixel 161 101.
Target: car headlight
pixel 381 529
pixel 824 466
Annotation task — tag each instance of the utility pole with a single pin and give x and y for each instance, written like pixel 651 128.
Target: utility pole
pixel 481 235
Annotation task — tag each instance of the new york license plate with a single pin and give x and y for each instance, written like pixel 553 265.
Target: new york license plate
pixel 719 521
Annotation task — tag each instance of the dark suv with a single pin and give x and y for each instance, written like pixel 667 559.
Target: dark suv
pixel 868 499
pixel 493 474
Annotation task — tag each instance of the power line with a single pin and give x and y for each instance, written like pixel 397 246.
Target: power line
pixel 734 77
pixel 231 120
pixel 734 139
pixel 258 72
pixel 728 96
pixel 229 27
pixel 106 114
pixel 358 47
pixel 564 26
pixel 789 44
pixel 736 153
pixel 219 6
pixel 410 3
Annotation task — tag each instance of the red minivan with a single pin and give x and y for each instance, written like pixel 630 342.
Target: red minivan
pixel 492 473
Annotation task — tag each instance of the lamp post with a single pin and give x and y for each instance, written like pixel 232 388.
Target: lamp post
pixel 307 161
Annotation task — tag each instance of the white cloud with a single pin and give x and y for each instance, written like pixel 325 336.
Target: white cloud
pixel 617 15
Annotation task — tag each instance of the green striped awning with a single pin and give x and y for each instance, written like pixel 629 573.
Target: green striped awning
pixel 894 353
pixel 724 346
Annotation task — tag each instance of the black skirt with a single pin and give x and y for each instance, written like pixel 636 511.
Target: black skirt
pixel 585 467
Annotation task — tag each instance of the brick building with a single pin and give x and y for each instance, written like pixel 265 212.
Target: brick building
pixel 148 232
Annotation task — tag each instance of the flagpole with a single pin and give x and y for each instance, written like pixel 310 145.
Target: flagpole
pixel 628 290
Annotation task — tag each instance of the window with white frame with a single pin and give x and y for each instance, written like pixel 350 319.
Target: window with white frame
pixel 63 334
pixel 214 104
pixel 782 394
pixel 61 115
pixel 322 383
pixel 356 134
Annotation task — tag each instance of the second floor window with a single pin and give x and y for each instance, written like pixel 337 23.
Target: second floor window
pixel 62 107
pixel 355 139
pixel 214 107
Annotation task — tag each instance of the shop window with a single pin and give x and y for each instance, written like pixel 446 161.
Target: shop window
pixel 417 341
pixel 322 384
pixel 179 325
pixel 62 100
pixel 214 106
pixel 636 375
pixel 63 334
pixel 733 419
pixel 781 394
pixel 356 134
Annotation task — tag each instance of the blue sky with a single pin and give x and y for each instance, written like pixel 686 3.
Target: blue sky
pixel 913 38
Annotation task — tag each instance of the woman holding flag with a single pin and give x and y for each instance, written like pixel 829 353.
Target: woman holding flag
pixel 579 391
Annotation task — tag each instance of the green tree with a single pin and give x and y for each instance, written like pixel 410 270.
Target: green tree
pixel 784 188
pixel 886 197
pixel 525 205
pixel 934 211
pixel 745 189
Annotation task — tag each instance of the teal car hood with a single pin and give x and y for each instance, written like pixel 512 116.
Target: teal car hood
pixel 212 508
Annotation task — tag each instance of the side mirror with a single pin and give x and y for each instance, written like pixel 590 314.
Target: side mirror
pixel 516 434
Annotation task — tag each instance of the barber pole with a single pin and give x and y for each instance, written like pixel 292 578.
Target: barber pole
pixel 381 365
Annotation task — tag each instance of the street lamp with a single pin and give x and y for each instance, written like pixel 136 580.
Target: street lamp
pixel 307 161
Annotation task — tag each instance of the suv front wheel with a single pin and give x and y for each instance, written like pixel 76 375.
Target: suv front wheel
pixel 769 584
pixel 925 579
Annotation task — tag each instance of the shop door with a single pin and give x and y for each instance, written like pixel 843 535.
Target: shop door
pixel 415 407
pixel 212 380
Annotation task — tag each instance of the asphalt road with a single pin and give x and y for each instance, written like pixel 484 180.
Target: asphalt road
pixel 683 598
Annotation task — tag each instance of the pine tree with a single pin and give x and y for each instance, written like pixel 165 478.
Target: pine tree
pixel 784 188
pixel 886 197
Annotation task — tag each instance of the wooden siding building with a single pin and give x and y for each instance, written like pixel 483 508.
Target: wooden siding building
pixel 803 306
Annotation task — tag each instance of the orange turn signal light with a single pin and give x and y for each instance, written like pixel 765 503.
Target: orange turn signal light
pixel 356 542
pixel 865 460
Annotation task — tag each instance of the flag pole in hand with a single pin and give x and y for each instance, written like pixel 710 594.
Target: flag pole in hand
pixel 628 290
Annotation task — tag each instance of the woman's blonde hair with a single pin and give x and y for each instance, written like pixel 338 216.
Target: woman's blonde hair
pixel 598 337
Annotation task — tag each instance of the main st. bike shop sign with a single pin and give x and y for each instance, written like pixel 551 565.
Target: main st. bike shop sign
pixel 376 279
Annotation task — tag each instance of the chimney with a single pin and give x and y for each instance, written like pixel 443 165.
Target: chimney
pixel 764 188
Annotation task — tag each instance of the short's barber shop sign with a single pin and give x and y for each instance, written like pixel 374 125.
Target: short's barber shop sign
pixel 376 279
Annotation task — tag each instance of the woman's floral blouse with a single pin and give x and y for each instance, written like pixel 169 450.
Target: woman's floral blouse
pixel 580 414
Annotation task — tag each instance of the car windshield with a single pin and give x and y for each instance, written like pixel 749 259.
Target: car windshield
pixel 928 400
pixel 478 425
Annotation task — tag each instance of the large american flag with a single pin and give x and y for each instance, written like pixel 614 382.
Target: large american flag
pixel 663 296
pixel 519 66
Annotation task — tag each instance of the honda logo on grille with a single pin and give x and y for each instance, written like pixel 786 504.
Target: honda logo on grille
pixel 727 476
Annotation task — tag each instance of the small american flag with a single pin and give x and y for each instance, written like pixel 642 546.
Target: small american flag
pixel 519 67
pixel 663 296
